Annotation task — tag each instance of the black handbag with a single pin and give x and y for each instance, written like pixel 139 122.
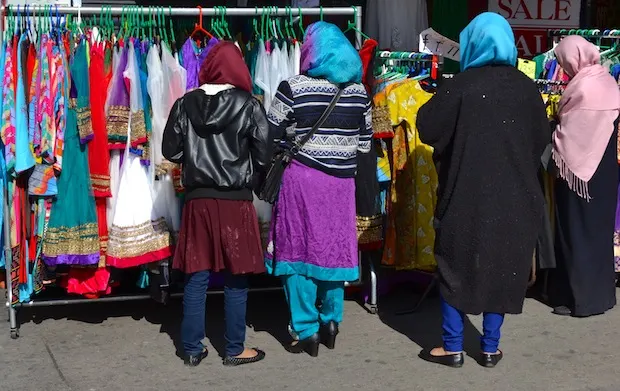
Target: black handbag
pixel 270 189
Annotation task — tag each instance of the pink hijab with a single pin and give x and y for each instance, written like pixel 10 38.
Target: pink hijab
pixel 587 112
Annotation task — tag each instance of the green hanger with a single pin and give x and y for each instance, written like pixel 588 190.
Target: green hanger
pixel 279 25
pixel 172 37
pixel 351 24
pixel 255 24
pixel 214 22
pixel 162 23
pixel 321 13
pixel 224 24
pixel 301 25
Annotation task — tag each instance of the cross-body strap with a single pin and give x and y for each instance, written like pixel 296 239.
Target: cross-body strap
pixel 298 145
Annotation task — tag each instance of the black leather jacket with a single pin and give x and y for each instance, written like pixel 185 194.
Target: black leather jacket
pixel 222 141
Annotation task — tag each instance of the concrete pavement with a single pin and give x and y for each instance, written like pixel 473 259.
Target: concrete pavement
pixel 131 347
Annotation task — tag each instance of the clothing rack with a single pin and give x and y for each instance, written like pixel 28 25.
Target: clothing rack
pixel 555 35
pixel 355 11
pixel 436 76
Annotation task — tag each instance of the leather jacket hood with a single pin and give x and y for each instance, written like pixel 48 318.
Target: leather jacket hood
pixel 222 141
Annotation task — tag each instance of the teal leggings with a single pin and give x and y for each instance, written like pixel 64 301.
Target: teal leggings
pixel 302 294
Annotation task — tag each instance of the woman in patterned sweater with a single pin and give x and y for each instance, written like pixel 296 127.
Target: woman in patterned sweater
pixel 313 243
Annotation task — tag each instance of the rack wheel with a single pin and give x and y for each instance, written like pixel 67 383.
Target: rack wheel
pixel 14 334
pixel 373 310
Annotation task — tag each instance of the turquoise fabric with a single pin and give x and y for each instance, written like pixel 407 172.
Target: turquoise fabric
pixel 24 160
pixel 302 294
pixel 487 40
pixel 284 268
pixel 327 53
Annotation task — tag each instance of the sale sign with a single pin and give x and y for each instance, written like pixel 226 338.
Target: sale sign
pixel 539 13
pixel 530 20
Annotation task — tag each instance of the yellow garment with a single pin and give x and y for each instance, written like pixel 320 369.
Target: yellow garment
pixel 410 235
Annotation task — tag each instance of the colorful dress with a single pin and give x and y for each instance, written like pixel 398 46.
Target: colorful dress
pixel 166 204
pixel 410 235
pixel 72 235
pixel 193 57
pixel 134 238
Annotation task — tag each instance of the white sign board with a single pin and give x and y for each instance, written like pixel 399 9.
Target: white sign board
pixel 539 13
pixel 434 43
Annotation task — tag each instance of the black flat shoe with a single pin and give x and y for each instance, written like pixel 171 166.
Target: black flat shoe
pixel 236 361
pixel 309 345
pixel 193 361
pixel 329 332
pixel 490 360
pixel 450 360
pixel 562 311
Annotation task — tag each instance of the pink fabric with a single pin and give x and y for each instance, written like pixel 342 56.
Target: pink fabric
pixel 587 111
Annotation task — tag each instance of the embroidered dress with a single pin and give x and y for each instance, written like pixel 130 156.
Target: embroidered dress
pixel 43 181
pixel 135 239
pixel 118 107
pixel 72 233
pixel 166 204
pixel 410 235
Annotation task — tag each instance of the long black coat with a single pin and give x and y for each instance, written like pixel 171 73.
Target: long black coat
pixel 488 127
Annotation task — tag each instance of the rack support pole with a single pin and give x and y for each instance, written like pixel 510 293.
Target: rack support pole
pixel 8 258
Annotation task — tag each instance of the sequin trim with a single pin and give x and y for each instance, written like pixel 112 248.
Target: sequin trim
pixel 134 241
pixel 369 229
pixel 81 240
pixel 117 122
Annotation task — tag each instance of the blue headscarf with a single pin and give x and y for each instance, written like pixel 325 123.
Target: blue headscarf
pixel 487 40
pixel 327 53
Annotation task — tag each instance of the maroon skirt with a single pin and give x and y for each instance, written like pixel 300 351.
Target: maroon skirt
pixel 219 235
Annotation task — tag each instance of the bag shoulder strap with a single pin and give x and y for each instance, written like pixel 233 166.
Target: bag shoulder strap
pixel 332 105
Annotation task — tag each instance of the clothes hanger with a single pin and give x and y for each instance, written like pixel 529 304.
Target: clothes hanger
pixel 301 25
pixel 198 26
pixel 351 25
pixel 172 37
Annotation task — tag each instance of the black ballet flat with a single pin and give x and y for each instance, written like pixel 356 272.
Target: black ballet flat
pixel 309 345
pixel 490 360
pixel 236 361
pixel 562 311
pixel 329 332
pixel 455 360
pixel 194 360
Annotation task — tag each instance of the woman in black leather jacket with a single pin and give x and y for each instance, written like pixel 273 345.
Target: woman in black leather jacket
pixel 220 135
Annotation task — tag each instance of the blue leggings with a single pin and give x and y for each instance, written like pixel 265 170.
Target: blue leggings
pixel 453 325
pixel 302 293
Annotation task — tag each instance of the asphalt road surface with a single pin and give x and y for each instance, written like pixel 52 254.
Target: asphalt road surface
pixel 133 347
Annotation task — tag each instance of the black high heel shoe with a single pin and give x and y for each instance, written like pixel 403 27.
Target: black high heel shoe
pixel 329 332
pixel 309 345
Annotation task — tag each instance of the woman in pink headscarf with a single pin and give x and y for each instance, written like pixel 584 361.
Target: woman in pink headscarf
pixel 584 152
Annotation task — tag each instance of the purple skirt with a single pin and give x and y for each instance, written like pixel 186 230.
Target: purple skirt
pixel 313 227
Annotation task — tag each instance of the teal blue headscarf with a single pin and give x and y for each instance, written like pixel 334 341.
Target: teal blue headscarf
pixel 327 53
pixel 487 40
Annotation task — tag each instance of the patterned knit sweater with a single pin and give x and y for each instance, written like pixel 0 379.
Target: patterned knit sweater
pixel 297 106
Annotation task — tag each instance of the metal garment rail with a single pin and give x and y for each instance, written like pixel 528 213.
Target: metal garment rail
pixel 355 11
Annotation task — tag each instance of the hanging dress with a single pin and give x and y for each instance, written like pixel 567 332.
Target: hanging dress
pixel 72 235
pixel 193 57
pixel 410 236
pixel 165 202
pixel 135 239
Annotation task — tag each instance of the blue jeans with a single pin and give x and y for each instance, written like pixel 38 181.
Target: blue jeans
pixel 194 308
pixel 453 325
pixel 302 293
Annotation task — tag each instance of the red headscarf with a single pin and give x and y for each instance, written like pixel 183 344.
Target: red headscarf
pixel 225 65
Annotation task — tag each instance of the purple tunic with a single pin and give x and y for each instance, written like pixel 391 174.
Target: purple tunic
pixel 313 228
pixel 193 57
